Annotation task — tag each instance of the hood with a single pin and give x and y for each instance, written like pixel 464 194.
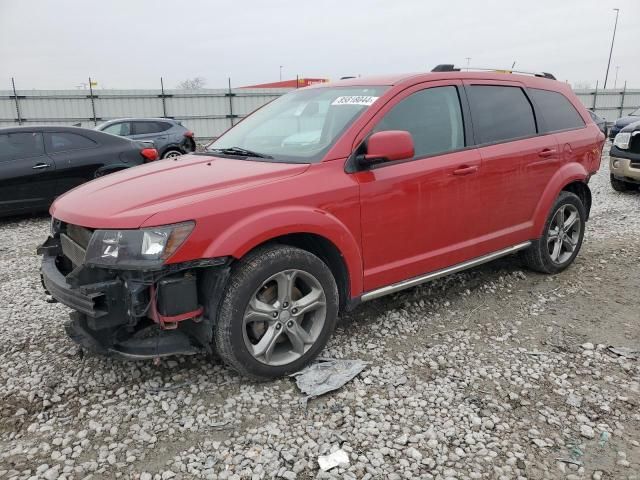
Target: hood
pixel 127 198
pixel 632 126
pixel 624 121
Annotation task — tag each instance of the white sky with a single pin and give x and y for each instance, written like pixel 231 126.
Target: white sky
pixel 131 43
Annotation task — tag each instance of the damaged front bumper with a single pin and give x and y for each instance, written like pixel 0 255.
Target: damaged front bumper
pixel 137 314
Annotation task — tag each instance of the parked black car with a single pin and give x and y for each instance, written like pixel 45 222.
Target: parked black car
pixel 39 163
pixel 170 137
pixel 623 122
pixel 624 159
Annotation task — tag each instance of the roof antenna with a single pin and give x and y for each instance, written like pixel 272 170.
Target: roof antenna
pixel 513 66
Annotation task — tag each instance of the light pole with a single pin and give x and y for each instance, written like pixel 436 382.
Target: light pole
pixel 468 62
pixel 613 39
pixel 280 72
pixel 615 80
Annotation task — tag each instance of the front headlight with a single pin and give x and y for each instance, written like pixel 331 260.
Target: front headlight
pixel 146 247
pixel 622 140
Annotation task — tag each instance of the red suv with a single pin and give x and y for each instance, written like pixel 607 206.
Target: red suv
pixel 324 198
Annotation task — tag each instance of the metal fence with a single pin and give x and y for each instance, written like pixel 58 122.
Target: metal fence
pixel 610 104
pixel 207 112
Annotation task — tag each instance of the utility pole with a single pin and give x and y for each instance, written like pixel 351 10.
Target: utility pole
pixel 280 72
pixel 468 62
pixel 613 39
pixel 615 81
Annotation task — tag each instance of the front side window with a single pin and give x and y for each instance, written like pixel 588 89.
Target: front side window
pixel 64 141
pixel 432 116
pixel 500 113
pixel 301 126
pixel 19 145
pixel 556 110
pixel 121 129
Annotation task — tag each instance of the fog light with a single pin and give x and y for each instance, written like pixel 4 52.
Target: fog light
pixel 615 163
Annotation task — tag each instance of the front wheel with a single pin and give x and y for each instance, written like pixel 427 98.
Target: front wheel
pixel 277 312
pixel 562 237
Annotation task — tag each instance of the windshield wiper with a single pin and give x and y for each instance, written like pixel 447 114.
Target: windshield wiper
pixel 240 151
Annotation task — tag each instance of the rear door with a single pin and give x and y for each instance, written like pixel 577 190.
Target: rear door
pixel 421 215
pixel 77 158
pixel 27 175
pixel 517 161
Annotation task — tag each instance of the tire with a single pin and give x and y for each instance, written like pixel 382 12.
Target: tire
pixel 293 339
pixel 540 255
pixel 171 153
pixel 621 185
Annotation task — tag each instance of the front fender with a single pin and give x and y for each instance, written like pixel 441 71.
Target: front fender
pixel 568 173
pixel 249 232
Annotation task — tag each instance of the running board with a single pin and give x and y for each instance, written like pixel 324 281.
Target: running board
pixel 412 282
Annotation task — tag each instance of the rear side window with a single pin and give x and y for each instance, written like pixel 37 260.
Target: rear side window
pixel 432 116
pixel 141 128
pixel 64 141
pixel 500 113
pixel 15 146
pixel 557 111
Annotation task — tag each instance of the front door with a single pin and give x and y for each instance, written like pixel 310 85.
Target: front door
pixel 420 215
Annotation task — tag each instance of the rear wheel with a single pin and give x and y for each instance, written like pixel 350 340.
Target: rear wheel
pixel 172 153
pixel 621 185
pixel 277 313
pixel 562 237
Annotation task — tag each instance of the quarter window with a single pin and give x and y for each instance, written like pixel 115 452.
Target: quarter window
pixel 432 116
pixel 558 112
pixel 500 113
pixel 64 141
pixel 19 145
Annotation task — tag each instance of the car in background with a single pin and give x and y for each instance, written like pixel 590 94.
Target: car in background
pixel 624 159
pixel 39 163
pixel 170 137
pixel 598 120
pixel 623 122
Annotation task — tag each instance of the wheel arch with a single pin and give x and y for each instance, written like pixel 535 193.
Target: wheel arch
pixel 316 231
pixel 571 177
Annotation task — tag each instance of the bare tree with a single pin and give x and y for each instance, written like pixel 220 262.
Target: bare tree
pixel 195 83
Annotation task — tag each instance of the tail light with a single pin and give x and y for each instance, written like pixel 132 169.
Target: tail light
pixel 188 133
pixel 149 154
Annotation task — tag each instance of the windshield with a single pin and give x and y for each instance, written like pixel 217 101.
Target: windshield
pixel 298 127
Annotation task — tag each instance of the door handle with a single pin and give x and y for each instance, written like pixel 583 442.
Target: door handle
pixel 38 166
pixel 466 170
pixel 547 152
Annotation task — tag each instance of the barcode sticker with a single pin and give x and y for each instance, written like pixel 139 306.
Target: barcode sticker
pixel 365 100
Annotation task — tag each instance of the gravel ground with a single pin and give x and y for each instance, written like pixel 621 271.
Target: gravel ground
pixel 494 373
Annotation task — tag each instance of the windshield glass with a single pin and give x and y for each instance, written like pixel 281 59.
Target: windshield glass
pixel 300 126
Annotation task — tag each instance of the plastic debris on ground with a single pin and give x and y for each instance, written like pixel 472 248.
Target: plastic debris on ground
pixel 326 375
pixel 625 352
pixel 339 458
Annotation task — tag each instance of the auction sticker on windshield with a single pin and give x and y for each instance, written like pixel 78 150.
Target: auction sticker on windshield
pixel 355 100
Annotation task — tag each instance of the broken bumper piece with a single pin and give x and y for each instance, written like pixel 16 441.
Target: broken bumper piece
pixel 135 314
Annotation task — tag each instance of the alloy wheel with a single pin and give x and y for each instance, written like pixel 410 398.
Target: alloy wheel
pixel 564 233
pixel 285 317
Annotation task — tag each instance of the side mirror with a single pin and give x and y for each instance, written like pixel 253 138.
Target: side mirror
pixel 388 146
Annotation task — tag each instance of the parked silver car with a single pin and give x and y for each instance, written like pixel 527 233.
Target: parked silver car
pixel 170 137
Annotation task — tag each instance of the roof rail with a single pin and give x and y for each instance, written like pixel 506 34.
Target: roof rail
pixel 448 67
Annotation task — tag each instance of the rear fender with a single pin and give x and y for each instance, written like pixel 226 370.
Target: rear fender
pixel 568 173
pixel 243 236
